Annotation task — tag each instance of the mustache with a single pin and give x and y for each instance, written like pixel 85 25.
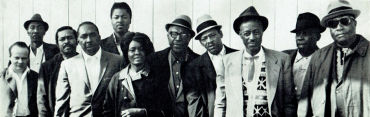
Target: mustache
pixel 68 45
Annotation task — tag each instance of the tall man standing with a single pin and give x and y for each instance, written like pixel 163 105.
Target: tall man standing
pixel 209 65
pixel 120 16
pixel 257 81
pixel 308 29
pixel 18 84
pixel 169 66
pixel 337 82
pixel 40 51
pixel 82 79
pixel 66 39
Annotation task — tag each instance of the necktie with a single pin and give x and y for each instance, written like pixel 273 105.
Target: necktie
pixel 251 67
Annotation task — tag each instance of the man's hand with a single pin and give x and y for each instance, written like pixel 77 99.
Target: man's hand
pixel 133 112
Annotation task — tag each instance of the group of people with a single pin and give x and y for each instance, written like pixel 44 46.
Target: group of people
pixel 123 76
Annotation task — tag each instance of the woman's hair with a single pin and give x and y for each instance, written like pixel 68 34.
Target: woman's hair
pixel 141 38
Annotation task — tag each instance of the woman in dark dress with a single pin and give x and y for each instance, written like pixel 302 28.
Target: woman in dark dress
pixel 129 92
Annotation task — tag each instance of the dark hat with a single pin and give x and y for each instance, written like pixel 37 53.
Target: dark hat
pixel 36 18
pixel 308 20
pixel 338 8
pixel 247 14
pixel 205 23
pixel 182 21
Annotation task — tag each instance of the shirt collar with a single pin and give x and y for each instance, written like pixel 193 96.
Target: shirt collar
pixel 143 72
pixel 114 38
pixel 97 55
pixel 174 59
pixel 40 49
pixel 12 72
pixel 260 54
pixel 221 53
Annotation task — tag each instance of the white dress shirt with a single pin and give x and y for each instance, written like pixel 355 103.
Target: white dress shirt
pixel 92 64
pixel 38 59
pixel 21 102
pixel 217 60
pixel 299 71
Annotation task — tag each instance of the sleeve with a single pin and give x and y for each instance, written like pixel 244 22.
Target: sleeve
pixel 196 106
pixel 220 95
pixel 290 100
pixel 109 103
pixel 63 91
pixel 42 102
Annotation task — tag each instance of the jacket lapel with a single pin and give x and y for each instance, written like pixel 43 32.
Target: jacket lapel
pixel 208 65
pixel 31 83
pixel 104 61
pixel 234 69
pixel 86 78
pixel 127 82
pixel 273 70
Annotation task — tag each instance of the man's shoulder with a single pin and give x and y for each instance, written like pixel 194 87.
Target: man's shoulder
pixel 111 56
pixel 290 51
pixel 275 53
pixel 107 39
pixel 233 55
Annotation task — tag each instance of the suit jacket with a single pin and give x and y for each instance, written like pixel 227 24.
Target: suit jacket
pixel 292 54
pixel 315 98
pixel 46 85
pixel 119 96
pixel 280 88
pixel 109 45
pixel 204 73
pixel 160 68
pixel 8 93
pixel 73 88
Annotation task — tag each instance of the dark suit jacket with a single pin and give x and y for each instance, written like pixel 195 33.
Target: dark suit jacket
pixel 74 90
pixel 108 45
pixel 159 67
pixel 8 93
pixel 292 54
pixel 46 85
pixel 204 73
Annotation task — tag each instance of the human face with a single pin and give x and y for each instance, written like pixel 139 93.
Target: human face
pixel 36 31
pixel 344 34
pixel 136 54
pixel 307 39
pixel 211 40
pixel 121 20
pixel 178 38
pixel 67 42
pixel 251 33
pixel 89 39
pixel 19 58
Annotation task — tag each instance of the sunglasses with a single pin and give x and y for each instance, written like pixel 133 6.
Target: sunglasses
pixel 344 21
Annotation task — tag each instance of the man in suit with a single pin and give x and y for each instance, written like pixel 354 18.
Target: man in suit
pixel 66 39
pixel 168 66
pixel 337 82
pixel 82 79
pixel 120 16
pixel 207 66
pixel 308 29
pixel 257 81
pixel 40 51
pixel 18 84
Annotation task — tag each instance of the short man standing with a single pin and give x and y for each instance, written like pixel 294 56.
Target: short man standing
pixel 18 84
pixel 337 82
pixel 257 80
pixel 120 15
pixel 40 51
pixel 169 66
pixel 308 29
pixel 66 39
pixel 209 65
pixel 83 79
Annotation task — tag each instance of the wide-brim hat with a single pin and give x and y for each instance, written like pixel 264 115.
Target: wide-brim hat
pixel 306 21
pixel 205 23
pixel 338 8
pixel 182 21
pixel 248 14
pixel 36 18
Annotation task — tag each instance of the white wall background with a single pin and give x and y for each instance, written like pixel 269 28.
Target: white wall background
pixel 150 17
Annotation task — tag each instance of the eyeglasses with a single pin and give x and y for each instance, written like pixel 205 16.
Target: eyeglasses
pixel 344 21
pixel 176 34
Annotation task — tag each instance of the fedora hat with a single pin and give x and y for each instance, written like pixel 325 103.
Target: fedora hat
pixel 205 23
pixel 338 8
pixel 36 18
pixel 247 14
pixel 308 20
pixel 182 21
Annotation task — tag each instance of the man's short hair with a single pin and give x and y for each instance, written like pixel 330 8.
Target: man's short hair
pixel 121 5
pixel 86 23
pixel 19 44
pixel 64 28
